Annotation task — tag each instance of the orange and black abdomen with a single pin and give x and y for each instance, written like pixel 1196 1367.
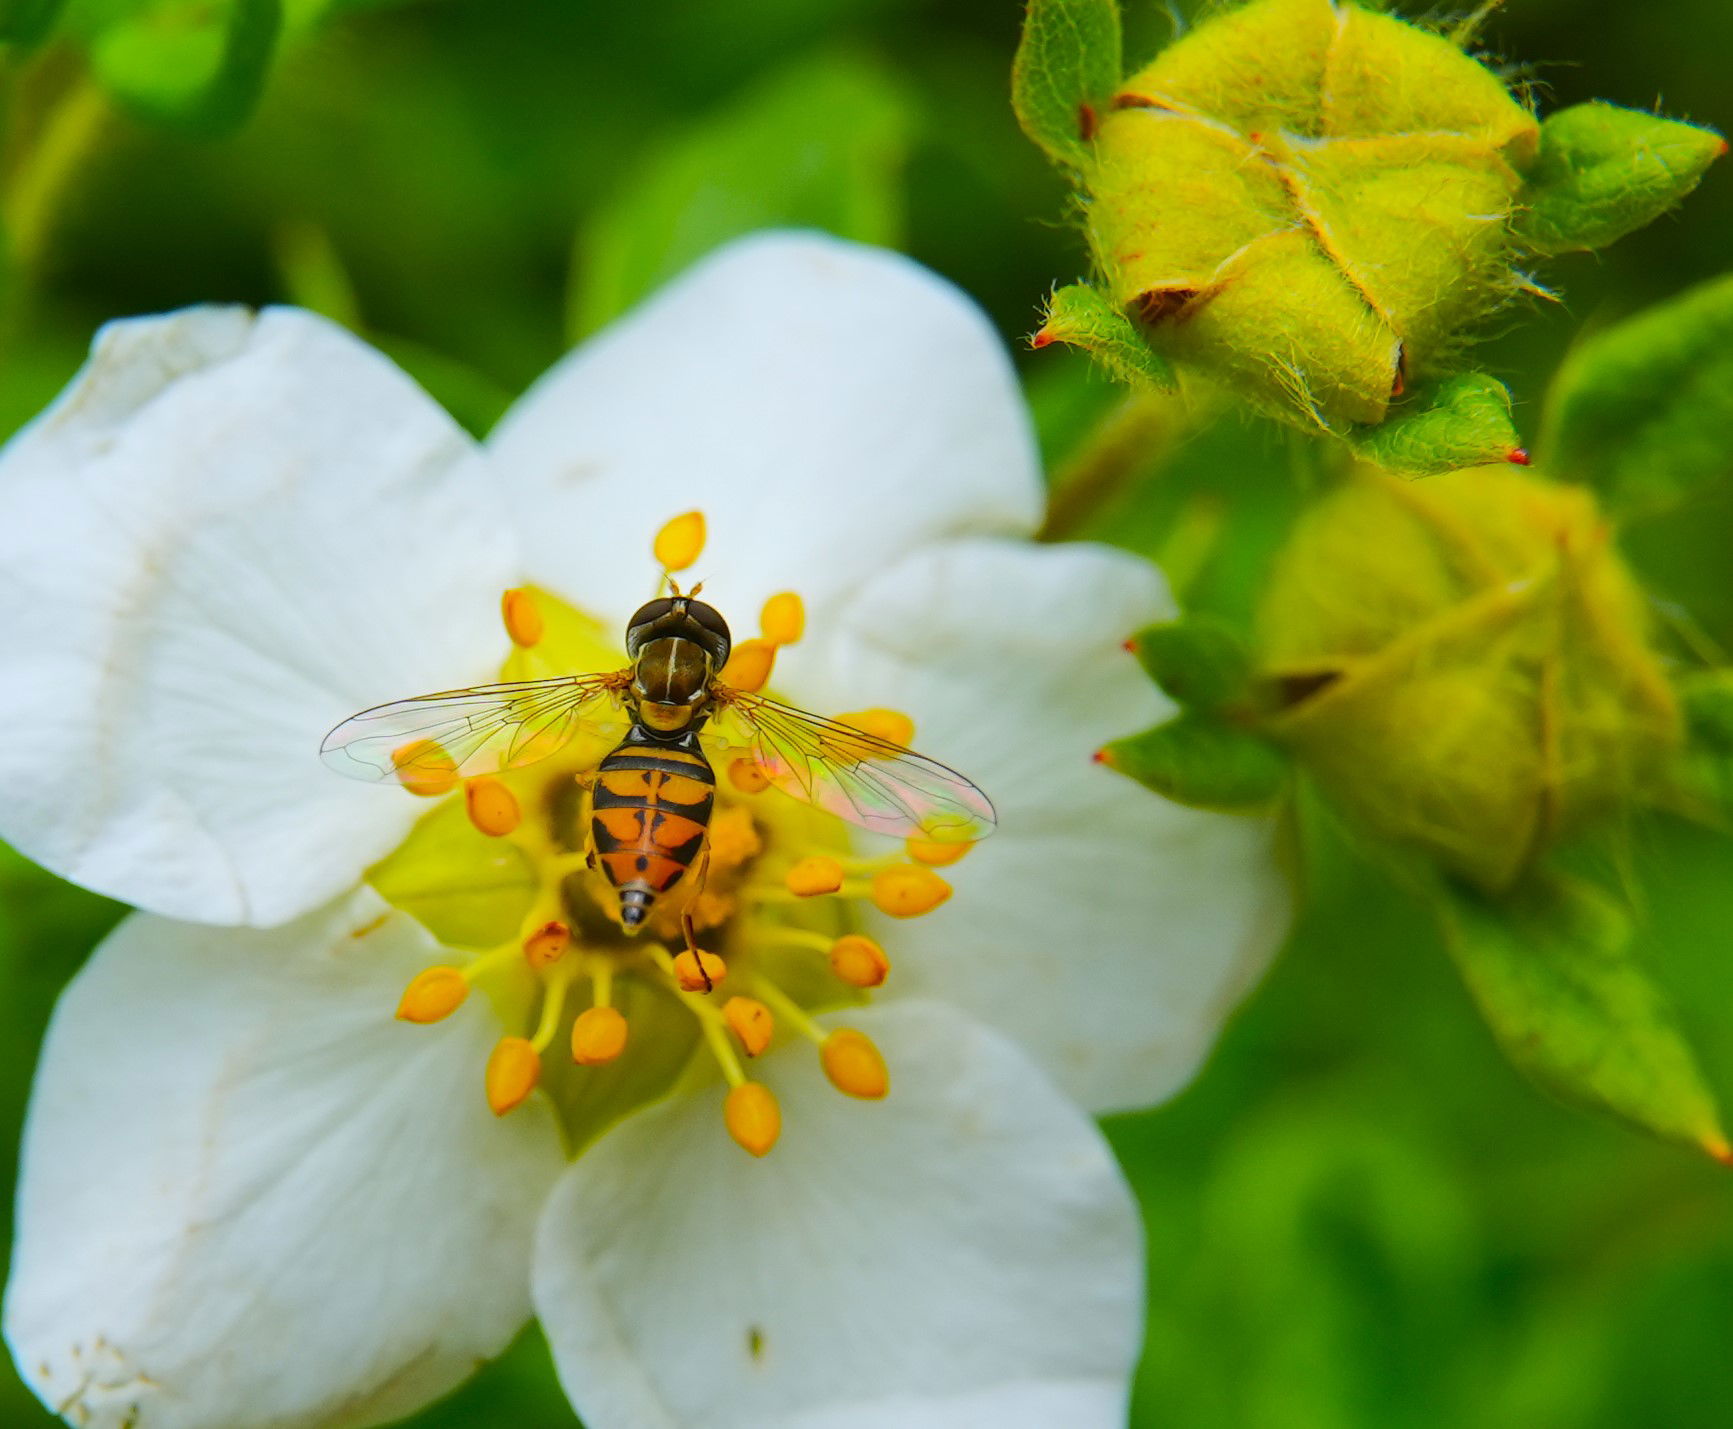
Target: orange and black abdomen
pixel 650 807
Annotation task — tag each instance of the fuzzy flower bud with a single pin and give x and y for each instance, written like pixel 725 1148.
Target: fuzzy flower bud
pixel 1464 665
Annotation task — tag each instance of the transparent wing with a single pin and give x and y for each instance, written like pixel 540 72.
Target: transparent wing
pixel 434 738
pixel 856 776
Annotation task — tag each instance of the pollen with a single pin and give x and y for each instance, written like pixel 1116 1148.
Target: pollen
pixel 935 854
pixel 783 620
pixel 751 1023
pixel 859 961
pixel 749 665
pixel 909 890
pixel 598 1036
pixel 513 1069
pixel 698 971
pixel 892 726
pixel 814 875
pixel 522 617
pixel 433 995
pixel 547 945
pixel 680 542
pixel 424 768
pixel 854 1064
pixel 492 807
pixel 746 775
pixel 734 838
pixel 753 1118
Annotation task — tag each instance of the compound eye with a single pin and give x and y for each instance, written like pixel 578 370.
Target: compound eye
pixel 710 618
pixel 654 610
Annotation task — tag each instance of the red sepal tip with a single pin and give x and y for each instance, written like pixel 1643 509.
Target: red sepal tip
pixel 1518 456
pixel 1041 339
pixel 1099 757
pixel 1129 646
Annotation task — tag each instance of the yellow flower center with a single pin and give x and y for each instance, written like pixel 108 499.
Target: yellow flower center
pixel 727 962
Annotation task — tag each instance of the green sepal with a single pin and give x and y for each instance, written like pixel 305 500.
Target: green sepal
pixel 27 22
pixel 1443 426
pixel 1079 316
pixel 1067 65
pixel 468 890
pixel 1554 973
pixel 1603 172
pixel 1644 411
pixel 190 63
pixel 1199 761
pixel 1200 661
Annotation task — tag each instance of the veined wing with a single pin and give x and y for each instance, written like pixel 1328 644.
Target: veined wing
pixel 856 776
pixel 434 739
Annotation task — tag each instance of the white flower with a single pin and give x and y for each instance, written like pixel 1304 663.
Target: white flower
pixel 250 1197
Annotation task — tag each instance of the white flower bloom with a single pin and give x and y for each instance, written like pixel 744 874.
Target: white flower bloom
pixel 251 1198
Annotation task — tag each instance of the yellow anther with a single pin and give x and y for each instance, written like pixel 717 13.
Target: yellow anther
pixel 935 854
pixel 522 617
pixel 698 971
pixel 745 775
pixel 754 1119
pixel 892 726
pixel 493 808
pixel 750 1021
pixel 424 768
pixel 433 995
pixel 854 1065
pixel 749 665
pixel 909 890
pixel 818 873
pixel 513 1070
pixel 548 944
pixel 598 1036
pixel 733 839
pixel 859 961
pixel 784 618
pixel 680 542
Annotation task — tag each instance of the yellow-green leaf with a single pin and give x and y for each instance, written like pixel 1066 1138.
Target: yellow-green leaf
pixel 1066 67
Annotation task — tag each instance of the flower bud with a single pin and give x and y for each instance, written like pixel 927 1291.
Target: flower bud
pixel 1464 665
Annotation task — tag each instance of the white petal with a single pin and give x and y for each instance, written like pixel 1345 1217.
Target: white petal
pixel 250 1198
pixel 963 1254
pixel 828 406
pixel 230 532
pixel 1108 930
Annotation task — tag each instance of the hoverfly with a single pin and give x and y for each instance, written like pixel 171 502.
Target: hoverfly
pixel 651 797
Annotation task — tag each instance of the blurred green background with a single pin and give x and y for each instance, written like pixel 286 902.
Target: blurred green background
pixel 1358 1215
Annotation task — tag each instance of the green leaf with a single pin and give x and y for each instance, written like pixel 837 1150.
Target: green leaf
pixel 1707 698
pixel 198 64
pixel 1067 65
pixel 1644 410
pixel 820 146
pixel 1555 976
pixel 1081 317
pixel 1603 172
pixel 1195 760
pixel 27 22
pixel 1200 661
pixel 1442 426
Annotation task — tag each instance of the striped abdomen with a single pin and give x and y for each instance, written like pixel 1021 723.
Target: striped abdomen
pixel 649 809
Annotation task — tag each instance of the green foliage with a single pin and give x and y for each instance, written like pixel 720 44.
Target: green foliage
pixel 1603 172
pixel 27 22
pixel 1079 316
pixel 192 63
pixel 1644 411
pixel 1554 974
pixel 820 146
pixel 1460 421
pixel 1202 662
pixel 1067 66
pixel 1202 762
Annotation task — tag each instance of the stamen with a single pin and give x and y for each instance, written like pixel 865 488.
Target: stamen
pixel 513 1070
pixel 749 665
pixel 598 1036
pixel 522 617
pixel 892 726
pixel 814 875
pixel 909 891
pixel 855 1065
pixel 935 854
pixel 752 1116
pixel 750 1021
pixel 783 620
pixel 548 944
pixel 424 768
pixel 681 542
pixel 433 995
pixel 859 961
pixel 492 807
pixel 698 971
pixel 553 1005
pixel 746 776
